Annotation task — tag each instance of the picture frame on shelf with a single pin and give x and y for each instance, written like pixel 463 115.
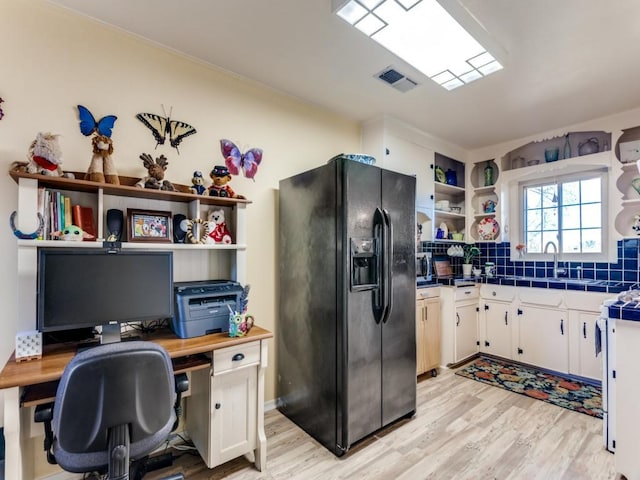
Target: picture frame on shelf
pixel 149 226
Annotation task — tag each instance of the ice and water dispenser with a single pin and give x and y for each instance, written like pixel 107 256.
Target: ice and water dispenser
pixel 364 264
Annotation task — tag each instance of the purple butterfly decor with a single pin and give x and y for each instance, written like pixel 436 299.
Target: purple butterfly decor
pixel 235 160
pixel 1 112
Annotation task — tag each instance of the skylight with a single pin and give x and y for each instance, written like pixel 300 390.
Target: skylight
pixel 425 34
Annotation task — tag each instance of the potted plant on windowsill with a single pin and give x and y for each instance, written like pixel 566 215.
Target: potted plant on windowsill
pixel 470 251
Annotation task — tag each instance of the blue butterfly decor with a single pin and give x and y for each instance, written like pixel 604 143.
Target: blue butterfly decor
pixel 89 125
pixel 163 126
pixel 235 160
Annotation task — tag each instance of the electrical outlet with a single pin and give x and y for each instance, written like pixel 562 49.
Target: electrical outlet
pixel 28 345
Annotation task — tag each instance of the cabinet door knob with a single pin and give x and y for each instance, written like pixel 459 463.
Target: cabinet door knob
pixel 237 357
pixel 584 329
pixel 457 319
pixel 217 406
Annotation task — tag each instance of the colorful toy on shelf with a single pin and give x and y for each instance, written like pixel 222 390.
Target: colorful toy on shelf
pixel 239 321
pixel 102 169
pixel 72 233
pixel 197 182
pixel 26 236
pixel 221 177
pixel 217 231
pixel 44 157
pixel 155 168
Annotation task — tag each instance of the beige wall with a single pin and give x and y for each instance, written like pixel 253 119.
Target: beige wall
pixel 51 60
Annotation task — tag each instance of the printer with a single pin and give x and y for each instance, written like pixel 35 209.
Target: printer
pixel 202 307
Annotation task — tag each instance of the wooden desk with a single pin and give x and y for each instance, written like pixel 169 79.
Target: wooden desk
pixel 18 378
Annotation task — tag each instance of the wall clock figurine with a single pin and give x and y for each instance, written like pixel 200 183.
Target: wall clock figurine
pixel 161 127
pixel 235 160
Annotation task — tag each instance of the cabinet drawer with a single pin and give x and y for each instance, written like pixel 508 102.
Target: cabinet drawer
pixel 463 293
pixel 234 358
pixel 428 292
pixel 540 296
pixel 498 292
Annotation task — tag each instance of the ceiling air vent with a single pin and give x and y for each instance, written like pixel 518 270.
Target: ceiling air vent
pixel 396 79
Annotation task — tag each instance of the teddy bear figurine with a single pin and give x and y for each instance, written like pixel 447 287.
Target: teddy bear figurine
pixel 217 231
pixel 220 188
pixel 197 186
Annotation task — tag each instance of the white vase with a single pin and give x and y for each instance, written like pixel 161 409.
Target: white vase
pixel 466 270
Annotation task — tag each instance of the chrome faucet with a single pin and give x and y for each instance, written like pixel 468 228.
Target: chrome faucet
pixel 556 270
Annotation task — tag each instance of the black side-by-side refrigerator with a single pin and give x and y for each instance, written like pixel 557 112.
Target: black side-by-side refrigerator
pixel 346 347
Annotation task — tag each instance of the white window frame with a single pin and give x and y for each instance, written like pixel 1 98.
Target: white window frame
pixel 603 255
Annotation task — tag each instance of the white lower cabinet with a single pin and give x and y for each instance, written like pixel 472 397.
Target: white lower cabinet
pixel 466 336
pixel 582 352
pixel 551 329
pixel 459 323
pixel 543 337
pixel 223 414
pixel 495 328
pixel 496 322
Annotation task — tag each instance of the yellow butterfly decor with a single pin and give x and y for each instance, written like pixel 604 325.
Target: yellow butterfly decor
pixel 161 127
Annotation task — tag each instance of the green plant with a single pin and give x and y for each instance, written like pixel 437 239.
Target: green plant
pixel 470 251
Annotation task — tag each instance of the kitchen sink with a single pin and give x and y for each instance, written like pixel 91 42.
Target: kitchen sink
pixel 580 281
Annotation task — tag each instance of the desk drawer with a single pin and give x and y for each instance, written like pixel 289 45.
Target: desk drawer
pixel 236 357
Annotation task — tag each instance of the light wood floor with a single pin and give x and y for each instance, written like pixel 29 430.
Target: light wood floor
pixel 462 430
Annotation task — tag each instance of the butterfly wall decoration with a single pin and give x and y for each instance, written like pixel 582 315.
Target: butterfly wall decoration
pixel 89 125
pixel 1 112
pixel 161 127
pixel 235 160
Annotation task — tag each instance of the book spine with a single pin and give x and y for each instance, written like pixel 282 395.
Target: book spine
pixel 67 212
pixel 41 211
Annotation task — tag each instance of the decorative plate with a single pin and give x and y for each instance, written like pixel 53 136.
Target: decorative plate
pixel 440 176
pixel 488 228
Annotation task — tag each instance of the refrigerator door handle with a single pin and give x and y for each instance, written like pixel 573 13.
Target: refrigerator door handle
pixel 378 301
pixel 387 262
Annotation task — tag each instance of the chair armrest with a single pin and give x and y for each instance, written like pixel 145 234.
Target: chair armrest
pixel 43 413
pixel 182 383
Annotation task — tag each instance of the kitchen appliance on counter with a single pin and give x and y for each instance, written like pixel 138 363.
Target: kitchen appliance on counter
pixel 423 268
pixel 346 343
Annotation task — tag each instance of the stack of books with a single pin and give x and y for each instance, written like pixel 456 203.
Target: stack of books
pixel 58 212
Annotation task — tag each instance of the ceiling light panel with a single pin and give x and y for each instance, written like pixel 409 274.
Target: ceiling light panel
pixel 425 35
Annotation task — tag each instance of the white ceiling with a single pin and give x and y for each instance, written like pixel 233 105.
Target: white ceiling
pixel 568 60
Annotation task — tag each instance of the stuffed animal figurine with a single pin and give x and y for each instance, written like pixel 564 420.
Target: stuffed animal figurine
pixel 44 157
pixel 217 228
pixel 102 169
pixel 197 186
pixel 221 177
pixel 156 170
pixel 73 233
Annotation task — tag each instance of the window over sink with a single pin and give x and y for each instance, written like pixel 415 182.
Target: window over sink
pixel 568 210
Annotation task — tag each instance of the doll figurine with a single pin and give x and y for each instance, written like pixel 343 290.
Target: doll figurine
pixel 220 188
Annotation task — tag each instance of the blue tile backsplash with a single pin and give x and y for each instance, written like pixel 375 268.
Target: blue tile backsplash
pixel 624 269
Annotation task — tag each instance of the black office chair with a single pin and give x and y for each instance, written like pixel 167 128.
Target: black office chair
pixel 114 402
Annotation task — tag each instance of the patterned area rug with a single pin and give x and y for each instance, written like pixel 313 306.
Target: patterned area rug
pixel 568 393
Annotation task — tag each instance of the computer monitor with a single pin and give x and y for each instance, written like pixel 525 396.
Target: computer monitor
pixel 87 287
